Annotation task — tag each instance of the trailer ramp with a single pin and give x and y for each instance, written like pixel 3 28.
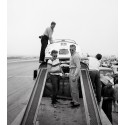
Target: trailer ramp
pixel 34 101
pixel 91 105
pixel 39 110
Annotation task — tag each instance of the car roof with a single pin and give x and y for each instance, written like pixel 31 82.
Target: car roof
pixel 105 68
pixel 64 40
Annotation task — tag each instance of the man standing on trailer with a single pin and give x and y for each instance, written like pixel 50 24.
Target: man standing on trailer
pixel 44 40
pixel 74 75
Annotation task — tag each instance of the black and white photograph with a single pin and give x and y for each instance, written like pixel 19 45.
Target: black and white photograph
pixel 62 62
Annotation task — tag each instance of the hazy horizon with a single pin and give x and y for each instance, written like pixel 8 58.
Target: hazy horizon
pixel 92 24
pixel 38 55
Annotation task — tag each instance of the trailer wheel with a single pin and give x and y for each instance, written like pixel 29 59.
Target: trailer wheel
pixel 34 74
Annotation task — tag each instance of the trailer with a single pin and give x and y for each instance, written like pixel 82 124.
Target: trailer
pixel 39 110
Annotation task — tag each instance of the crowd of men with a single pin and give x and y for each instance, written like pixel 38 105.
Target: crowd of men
pixel 105 93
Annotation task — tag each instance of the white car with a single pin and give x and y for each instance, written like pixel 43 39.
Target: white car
pixel 62 46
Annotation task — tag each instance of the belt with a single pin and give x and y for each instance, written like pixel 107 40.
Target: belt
pixel 72 67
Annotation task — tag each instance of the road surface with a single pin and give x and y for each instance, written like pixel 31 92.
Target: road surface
pixel 19 86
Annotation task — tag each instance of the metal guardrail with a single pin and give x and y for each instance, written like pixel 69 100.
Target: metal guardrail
pixel 92 109
pixel 94 113
pixel 85 101
pixel 34 101
pixel 97 110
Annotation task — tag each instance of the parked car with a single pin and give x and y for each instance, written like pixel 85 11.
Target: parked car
pixel 106 74
pixel 106 71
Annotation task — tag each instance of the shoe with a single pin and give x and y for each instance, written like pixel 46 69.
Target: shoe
pixel 75 105
pixel 56 101
pixel 71 102
pixel 54 105
pixel 43 63
pixel 40 61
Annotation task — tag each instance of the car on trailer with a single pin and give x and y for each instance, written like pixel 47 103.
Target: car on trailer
pixel 62 46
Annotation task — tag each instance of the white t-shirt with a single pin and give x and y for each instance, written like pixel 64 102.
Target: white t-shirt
pixel 48 32
pixel 55 65
pixel 93 63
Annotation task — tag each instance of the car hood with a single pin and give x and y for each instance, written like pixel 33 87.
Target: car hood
pixel 106 79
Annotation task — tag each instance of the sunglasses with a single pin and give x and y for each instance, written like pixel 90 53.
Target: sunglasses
pixel 72 50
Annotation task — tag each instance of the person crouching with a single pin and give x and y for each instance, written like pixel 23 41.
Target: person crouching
pixel 54 69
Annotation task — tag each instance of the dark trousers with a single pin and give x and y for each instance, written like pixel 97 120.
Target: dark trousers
pixel 44 42
pixel 107 108
pixel 95 78
pixel 55 79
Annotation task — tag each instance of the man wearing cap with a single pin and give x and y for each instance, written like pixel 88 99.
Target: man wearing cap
pixel 74 75
pixel 47 35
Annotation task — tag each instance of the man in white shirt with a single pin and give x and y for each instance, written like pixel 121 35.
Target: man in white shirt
pixel 74 75
pixel 94 63
pixel 47 35
pixel 54 69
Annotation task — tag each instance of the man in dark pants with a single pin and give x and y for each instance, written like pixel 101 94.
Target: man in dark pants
pixel 44 40
pixel 54 69
pixel 108 97
pixel 95 78
pixel 94 63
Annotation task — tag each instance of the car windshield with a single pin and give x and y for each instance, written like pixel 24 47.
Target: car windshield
pixel 63 51
pixel 64 40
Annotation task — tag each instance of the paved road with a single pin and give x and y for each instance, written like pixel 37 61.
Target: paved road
pixel 19 86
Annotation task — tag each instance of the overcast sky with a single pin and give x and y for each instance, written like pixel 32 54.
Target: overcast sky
pixel 93 24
